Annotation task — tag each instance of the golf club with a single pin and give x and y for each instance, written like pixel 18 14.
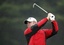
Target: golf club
pixel 39 7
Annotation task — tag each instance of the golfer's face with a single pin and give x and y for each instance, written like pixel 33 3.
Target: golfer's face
pixel 29 24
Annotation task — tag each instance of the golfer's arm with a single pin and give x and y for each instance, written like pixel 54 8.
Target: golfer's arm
pixel 53 31
pixel 54 27
pixel 42 22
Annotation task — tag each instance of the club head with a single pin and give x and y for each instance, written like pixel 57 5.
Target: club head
pixel 34 5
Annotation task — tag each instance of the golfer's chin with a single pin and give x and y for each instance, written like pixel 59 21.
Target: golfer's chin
pixel 30 26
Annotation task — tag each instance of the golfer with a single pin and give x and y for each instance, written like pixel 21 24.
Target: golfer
pixel 37 36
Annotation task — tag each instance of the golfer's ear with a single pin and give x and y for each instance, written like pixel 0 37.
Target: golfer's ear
pixel 34 22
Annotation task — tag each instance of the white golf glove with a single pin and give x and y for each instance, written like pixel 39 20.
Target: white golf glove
pixel 52 17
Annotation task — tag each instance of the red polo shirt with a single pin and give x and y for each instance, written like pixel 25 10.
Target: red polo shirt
pixel 37 36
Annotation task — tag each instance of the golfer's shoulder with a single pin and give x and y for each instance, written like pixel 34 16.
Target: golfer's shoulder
pixel 27 31
pixel 44 29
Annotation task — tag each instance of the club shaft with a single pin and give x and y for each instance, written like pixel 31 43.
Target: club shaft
pixel 41 8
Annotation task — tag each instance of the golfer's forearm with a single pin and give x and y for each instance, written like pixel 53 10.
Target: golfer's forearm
pixel 55 27
pixel 42 22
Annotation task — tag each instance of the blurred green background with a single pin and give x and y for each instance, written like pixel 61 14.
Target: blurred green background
pixel 14 12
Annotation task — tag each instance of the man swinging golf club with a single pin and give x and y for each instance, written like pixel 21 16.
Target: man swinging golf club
pixel 37 36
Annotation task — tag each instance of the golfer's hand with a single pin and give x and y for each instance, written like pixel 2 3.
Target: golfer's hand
pixel 52 17
pixel 48 16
